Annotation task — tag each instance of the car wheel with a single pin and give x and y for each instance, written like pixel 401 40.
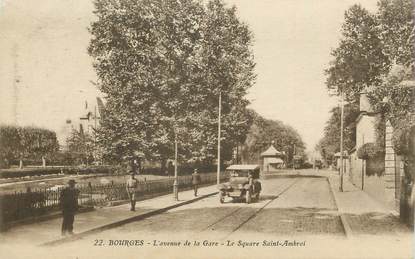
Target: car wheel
pixel 221 197
pixel 248 196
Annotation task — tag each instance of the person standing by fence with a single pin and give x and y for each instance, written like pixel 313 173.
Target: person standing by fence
pixel 131 187
pixel 136 166
pixel 69 204
pixel 195 181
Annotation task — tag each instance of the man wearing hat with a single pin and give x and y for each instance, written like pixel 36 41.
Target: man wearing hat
pixel 131 187
pixel 195 181
pixel 69 204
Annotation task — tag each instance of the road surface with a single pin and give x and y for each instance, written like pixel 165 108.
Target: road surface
pixel 296 217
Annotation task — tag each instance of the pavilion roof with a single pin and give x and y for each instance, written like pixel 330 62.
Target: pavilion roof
pixel 271 151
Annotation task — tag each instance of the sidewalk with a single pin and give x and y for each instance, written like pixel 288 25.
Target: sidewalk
pixel 99 219
pixel 360 213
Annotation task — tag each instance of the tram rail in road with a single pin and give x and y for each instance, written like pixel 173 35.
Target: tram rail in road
pixel 231 222
pixel 252 215
pixel 344 224
pixel 262 207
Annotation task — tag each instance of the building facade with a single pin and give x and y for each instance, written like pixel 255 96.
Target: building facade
pixel 384 187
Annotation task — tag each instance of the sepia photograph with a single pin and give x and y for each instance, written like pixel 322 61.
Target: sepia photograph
pixel 211 129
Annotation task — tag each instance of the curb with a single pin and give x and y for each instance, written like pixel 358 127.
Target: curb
pixel 122 222
pixel 347 229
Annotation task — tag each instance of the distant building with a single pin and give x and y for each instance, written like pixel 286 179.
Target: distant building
pixel 87 122
pixel 272 159
pixel 91 117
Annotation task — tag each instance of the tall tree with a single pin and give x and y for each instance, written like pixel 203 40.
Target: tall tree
pixel 376 54
pixel 81 147
pixel 154 63
pixel 330 143
pixel 227 69
pixel 396 27
pixel 263 132
pixel 20 143
pixel 358 62
pixel 394 98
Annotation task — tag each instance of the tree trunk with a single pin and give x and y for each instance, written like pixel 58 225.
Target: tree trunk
pixel 43 162
pixel 163 167
pixel 21 163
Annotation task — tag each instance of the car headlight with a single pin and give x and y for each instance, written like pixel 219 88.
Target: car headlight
pixel 240 186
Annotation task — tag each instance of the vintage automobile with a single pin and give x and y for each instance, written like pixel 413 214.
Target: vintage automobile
pixel 243 183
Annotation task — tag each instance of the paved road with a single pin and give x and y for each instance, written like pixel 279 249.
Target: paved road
pixel 288 206
pixel 295 218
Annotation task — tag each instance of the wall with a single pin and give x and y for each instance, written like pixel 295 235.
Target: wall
pixel 365 130
pixel 267 166
pixel 365 133
pixel 381 177
pixel 356 170
pixel 392 172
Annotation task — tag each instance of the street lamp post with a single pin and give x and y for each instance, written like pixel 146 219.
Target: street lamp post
pixel 341 141
pixel 175 184
pixel 219 115
pixel 293 156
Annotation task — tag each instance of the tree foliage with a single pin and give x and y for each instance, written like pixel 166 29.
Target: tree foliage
pixel 265 132
pixel 358 62
pixel 375 54
pixel 18 143
pixel 396 27
pixel 370 150
pixel 161 65
pixel 80 147
pixel 330 143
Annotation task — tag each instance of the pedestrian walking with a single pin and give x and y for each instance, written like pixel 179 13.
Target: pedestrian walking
pixel 131 187
pixel 195 181
pixel 69 204
pixel 170 168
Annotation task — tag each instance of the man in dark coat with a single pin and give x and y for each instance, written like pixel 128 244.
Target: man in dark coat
pixel 69 204
pixel 195 181
pixel 135 166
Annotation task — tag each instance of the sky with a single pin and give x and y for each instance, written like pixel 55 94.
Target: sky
pixel 46 73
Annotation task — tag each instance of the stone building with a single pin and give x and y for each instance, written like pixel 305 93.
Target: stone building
pixel 385 184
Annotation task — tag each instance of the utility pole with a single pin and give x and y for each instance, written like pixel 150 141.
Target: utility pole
pixel 95 134
pixel 16 81
pixel 341 141
pixel 175 184
pixel 293 156
pixel 219 114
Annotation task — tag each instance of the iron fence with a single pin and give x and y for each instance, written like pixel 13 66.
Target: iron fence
pixel 21 205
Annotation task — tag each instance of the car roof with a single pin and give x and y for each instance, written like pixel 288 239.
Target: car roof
pixel 243 167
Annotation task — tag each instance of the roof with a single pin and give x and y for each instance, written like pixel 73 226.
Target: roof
pixel 271 151
pixel 243 167
pixel 360 116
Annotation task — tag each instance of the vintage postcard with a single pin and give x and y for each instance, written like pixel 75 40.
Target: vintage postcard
pixel 207 129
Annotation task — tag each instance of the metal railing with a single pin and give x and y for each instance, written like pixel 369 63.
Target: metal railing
pixel 22 205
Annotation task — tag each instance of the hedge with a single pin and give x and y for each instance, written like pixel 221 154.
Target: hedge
pixel 370 150
pixel 17 173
